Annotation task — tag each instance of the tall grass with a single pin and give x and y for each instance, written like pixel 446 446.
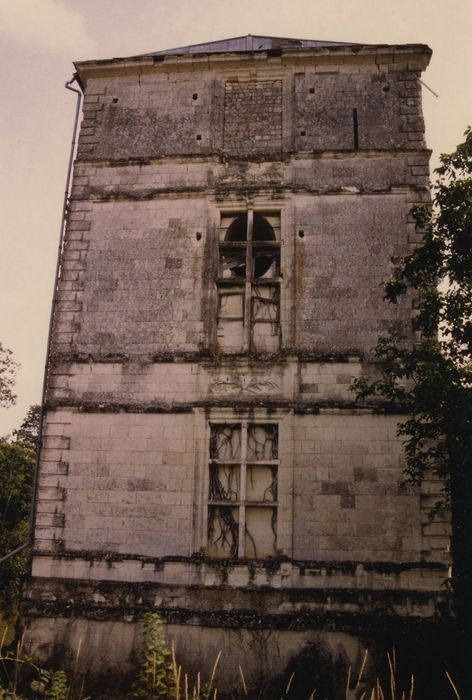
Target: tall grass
pixel 21 678
pixel 160 677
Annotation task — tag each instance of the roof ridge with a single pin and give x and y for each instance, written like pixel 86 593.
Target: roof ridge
pixel 245 42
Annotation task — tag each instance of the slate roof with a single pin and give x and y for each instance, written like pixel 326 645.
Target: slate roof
pixel 249 43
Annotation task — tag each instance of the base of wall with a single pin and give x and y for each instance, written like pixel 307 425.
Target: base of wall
pixel 315 622
pixel 318 658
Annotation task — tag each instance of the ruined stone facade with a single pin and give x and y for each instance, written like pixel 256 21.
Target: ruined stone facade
pixel 234 212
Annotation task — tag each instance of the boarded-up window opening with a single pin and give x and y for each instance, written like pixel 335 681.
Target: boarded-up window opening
pixel 242 492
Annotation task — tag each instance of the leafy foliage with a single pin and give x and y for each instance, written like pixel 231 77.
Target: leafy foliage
pixel 27 435
pixel 22 679
pixel 52 685
pixel 8 368
pixel 433 377
pixel 156 676
pixel 16 484
pixel 17 462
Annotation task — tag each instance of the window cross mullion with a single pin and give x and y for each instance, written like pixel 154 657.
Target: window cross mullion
pixel 242 493
pixel 249 275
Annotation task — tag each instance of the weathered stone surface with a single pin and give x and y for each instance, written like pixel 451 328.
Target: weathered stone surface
pixel 253 119
pixel 232 220
pixel 145 281
pixel 325 104
pixel 130 485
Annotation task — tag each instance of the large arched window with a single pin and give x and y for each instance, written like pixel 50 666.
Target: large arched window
pixel 249 283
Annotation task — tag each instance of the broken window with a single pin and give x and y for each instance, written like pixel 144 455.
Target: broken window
pixel 249 283
pixel 242 490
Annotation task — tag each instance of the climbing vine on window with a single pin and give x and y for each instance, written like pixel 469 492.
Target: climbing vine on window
pixel 242 490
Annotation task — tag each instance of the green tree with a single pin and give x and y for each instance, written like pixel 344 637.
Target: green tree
pixel 27 435
pixel 8 368
pixel 432 377
pixel 16 483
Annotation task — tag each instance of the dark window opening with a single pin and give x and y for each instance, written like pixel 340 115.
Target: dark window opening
pixel 236 260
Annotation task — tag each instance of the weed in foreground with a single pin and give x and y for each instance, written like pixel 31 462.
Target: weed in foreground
pixel 155 677
pixel 160 677
pixel 22 679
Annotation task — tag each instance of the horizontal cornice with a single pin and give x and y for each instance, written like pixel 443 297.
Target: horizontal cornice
pixel 414 56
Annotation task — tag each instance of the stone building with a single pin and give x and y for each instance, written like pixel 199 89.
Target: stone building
pixel 235 209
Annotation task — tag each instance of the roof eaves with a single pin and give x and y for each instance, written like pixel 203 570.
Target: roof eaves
pixel 326 48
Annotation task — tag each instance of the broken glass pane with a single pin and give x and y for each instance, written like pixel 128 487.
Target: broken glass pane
pixel 262 230
pixel 262 442
pixel 237 230
pixel 225 442
pixel 223 531
pixel 233 260
pixel 261 532
pixel 266 263
pixel 261 483
pixel 224 482
pixel 232 263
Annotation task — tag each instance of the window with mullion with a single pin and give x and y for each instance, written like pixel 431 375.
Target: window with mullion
pixel 249 284
pixel 242 490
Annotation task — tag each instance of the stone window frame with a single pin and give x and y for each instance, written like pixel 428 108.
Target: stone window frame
pixel 236 497
pixel 249 284
pixel 283 418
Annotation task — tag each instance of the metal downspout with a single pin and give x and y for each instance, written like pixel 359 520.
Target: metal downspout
pixel 30 541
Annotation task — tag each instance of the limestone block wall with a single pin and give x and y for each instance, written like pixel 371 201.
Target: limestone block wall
pixel 132 283
pixel 325 173
pixel 236 107
pixel 151 115
pixel 346 254
pixel 366 108
pixel 333 150
pixel 186 383
pixel 137 484
pixel 138 277
pixel 253 119
pixel 127 483
pixel 347 486
pixel 197 649
pixel 329 147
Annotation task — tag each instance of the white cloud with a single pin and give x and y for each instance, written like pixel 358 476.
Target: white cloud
pixel 45 25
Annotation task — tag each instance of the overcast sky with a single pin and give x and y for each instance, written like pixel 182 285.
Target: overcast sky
pixel 39 40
